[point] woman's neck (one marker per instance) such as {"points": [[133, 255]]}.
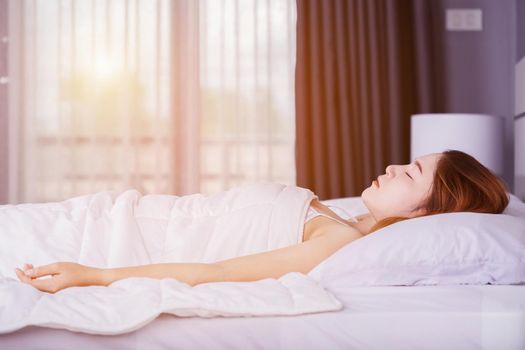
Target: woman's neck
{"points": [[365, 223]]}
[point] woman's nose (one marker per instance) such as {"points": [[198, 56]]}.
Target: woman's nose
{"points": [[391, 170]]}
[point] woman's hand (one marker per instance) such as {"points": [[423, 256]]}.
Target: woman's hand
{"points": [[63, 275]]}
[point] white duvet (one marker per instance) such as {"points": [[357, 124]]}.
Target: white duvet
{"points": [[110, 229]]}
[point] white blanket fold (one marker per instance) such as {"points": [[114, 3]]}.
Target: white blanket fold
{"points": [[109, 229]]}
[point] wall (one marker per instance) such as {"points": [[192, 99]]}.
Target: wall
{"points": [[478, 66], [519, 184], [520, 29]]}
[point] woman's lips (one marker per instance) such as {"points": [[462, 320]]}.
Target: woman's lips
{"points": [[376, 183]]}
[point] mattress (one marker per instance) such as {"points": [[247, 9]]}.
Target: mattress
{"points": [[395, 317]]}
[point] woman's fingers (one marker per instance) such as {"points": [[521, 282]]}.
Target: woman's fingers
{"points": [[21, 276], [43, 270], [46, 285], [61, 275]]}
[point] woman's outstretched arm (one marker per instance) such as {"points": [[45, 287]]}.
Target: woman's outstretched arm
{"points": [[302, 257], [62, 275]]}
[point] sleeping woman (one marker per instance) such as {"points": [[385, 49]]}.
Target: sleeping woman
{"points": [[436, 183]]}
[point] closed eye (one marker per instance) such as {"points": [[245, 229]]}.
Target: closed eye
{"points": [[408, 175]]}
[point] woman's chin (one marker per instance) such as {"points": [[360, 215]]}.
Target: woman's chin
{"points": [[366, 190], [372, 186]]}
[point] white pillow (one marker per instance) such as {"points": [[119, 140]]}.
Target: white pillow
{"points": [[452, 248]]}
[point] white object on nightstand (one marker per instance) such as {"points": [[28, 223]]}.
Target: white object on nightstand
{"points": [[479, 135]]}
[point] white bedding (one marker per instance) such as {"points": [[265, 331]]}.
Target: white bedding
{"points": [[398, 317], [409, 317], [113, 230]]}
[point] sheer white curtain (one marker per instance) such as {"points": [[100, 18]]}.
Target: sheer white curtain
{"points": [[161, 96]]}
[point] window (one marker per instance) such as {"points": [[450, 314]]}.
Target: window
{"points": [[162, 96]]}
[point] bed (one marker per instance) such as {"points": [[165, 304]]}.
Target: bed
{"points": [[373, 317], [415, 317]]}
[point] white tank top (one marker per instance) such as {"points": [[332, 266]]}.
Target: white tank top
{"points": [[312, 213]]}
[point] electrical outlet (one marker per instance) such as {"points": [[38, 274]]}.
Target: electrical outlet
{"points": [[464, 19]]}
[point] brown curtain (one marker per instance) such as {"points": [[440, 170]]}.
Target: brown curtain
{"points": [[357, 84]]}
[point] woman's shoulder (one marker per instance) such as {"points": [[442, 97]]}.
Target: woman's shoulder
{"points": [[322, 226]]}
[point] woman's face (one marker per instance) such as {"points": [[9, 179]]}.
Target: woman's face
{"points": [[402, 189]]}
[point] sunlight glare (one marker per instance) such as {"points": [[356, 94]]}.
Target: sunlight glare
{"points": [[105, 68]]}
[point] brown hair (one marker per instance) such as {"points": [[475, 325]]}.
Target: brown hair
{"points": [[461, 183]]}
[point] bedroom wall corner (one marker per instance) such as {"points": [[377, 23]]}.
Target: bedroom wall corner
{"points": [[519, 111]]}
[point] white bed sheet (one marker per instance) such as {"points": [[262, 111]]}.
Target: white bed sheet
{"points": [[395, 317]]}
